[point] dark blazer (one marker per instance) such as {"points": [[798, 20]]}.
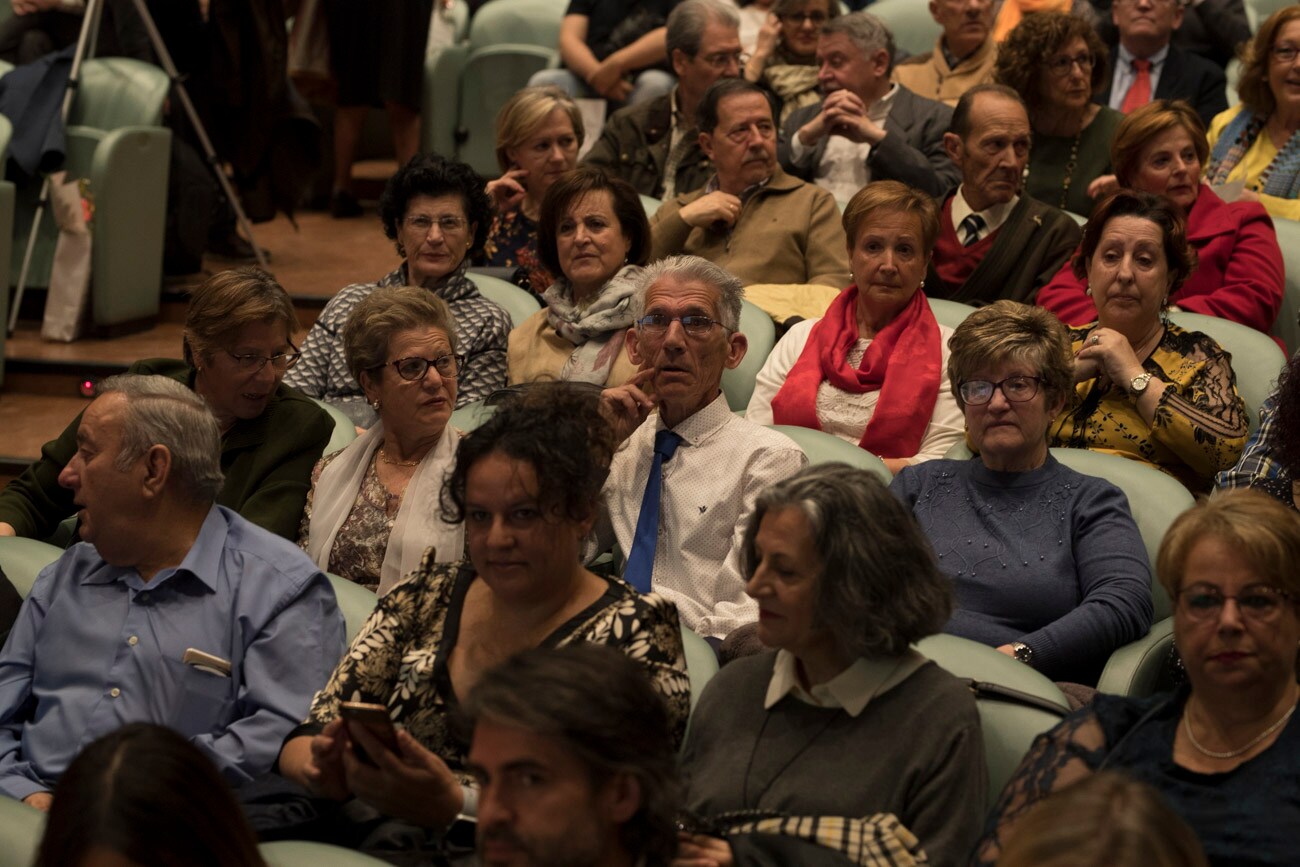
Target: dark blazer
{"points": [[1212, 30], [1190, 77], [912, 152]]}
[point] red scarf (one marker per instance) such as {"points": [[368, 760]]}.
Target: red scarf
{"points": [[909, 345]]}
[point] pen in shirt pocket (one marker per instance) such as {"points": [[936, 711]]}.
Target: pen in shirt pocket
{"points": [[206, 662]]}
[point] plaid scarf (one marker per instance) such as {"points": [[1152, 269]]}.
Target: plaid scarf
{"points": [[878, 840], [1282, 177]]}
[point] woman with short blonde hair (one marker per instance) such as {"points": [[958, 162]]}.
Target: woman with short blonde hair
{"points": [[539, 132]]}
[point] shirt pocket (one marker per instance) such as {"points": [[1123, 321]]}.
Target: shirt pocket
{"points": [[201, 702]]}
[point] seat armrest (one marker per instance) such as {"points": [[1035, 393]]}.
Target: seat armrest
{"points": [[1134, 669]]}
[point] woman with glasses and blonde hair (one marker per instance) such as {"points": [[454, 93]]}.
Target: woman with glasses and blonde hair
{"points": [[237, 345], [1257, 141], [1057, 63], [1046, 563], [539, 132], [784, 59], [1224, 749], [369, 516]]}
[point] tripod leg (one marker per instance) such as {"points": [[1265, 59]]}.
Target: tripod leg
{"points": [[209, 153]]}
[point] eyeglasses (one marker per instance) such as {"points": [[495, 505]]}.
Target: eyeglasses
{"points": [[447, 224], [816, 19], [740, 135], [696, 326], [1061, 66], [1284, 53], [413, 369], [1017, 389], [1258, 602], [253, 362], [724, 58]]}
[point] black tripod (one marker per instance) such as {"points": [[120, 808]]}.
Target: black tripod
{"points": [[89, 26]]}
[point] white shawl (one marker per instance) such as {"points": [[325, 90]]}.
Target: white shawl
{"points": [[418, 526]]}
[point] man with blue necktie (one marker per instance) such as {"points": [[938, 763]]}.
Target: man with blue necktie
{"points": [[683, 483]]}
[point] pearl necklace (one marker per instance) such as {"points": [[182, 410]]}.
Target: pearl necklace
{"points": [[1232, 754]]}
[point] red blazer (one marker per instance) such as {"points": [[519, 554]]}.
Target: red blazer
{"points": [[1238, 275]]}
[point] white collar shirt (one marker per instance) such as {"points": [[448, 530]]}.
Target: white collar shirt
{"points": [[1125, 74], [709, 489], [851, 690], [993, 216]]}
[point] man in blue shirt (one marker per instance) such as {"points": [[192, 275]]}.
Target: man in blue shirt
{"points": [[177, 612]]}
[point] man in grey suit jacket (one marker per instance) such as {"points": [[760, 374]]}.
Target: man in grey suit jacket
{"points": [[867, 128]]}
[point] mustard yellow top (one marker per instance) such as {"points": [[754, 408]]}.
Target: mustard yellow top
{"points": [[1261, 154]]}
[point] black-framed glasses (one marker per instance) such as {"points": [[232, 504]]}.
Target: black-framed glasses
{"points": [[1061, 66], [1258, 602], [414, 368], [816, 19], [447, 224], [693, 324], [1017, 389], [1284, 53], [252, 362]]}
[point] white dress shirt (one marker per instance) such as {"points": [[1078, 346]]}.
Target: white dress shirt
{"points": [[846, 414], [851, 690], [993, 216], [1125, 74], [709, 489], [843, 169]]}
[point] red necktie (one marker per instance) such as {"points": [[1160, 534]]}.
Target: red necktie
{"points": [[1139, 92]]}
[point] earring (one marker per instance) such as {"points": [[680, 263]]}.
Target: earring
{"points": [[375, 404], [922, 286], [1087, 290]]}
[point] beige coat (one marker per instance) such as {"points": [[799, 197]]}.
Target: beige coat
{"points": [[929, 75], [537, 352], [788, 232]]}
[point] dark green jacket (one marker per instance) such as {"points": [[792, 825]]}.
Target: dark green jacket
{"points": [[634, 146], [267, 462]]}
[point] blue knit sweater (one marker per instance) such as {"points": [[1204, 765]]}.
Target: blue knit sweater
{"points": [[1049, 557]]}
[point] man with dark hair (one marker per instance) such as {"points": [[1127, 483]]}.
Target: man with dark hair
{"points": [[994, 241], [177, 612], [751, 218], [573, 754], [654, 145], [867, 128], [1148, 66]]}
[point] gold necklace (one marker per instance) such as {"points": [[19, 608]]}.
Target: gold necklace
{"points": [[383, 456], [1070, 166]]}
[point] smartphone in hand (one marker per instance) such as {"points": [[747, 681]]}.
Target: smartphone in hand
{"points": [[376, 720]]}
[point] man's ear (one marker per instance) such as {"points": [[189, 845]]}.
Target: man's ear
{"points": [[157, 469], [706, 144], [880, 60], [678, 60], [621, 798], [737, 346], [953, 147], [632, 345]]}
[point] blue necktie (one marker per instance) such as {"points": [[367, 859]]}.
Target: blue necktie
{"points": [[641, 561]]}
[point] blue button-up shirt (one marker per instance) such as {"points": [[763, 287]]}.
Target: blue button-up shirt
{"points": [[96, 647]]}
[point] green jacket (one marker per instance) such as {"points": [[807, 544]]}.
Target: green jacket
{"points": [[267, 463], [634, 146]]}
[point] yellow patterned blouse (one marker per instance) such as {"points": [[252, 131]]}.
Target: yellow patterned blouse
{"points": [[1200, 423]]}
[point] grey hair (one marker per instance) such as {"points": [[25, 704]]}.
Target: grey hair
{"points": [[864, 30], [161, 411], [686, 24], [731, 292], [880, 587]]}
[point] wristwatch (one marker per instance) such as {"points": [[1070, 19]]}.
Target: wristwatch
{"points": [[1023, 652], [1138, 384]]}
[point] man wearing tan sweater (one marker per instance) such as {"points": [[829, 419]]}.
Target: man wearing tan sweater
{"points": [[963, 55]]}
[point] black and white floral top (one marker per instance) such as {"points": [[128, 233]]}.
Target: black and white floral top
{"points": [[399, 658]]}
